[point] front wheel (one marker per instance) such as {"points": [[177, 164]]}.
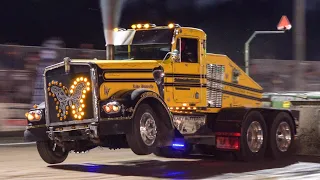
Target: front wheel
{"points": [[144, 134], [51, 153]]}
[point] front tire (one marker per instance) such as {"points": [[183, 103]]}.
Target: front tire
{"points": [[253, 140], [51, 153], [144, 134], [281, 142]]}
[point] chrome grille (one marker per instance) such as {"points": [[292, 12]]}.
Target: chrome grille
{"points": [[215, 75]]}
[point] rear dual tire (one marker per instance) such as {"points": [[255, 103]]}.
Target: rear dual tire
{"points": [[281, 137], [258, 140], [253, 140]]}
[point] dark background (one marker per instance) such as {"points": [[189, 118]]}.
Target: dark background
{"points": [[228, 23]]}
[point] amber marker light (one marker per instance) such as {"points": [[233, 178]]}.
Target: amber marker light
{"points": [[171, 25], [146, 26]]}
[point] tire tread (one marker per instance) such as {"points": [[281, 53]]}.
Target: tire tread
{"points": [[47, 154]]}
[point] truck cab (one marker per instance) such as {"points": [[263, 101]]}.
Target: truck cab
{"points": [[187, 70]]}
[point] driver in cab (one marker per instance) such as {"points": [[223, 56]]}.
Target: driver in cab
{"points": [[187, 52]]}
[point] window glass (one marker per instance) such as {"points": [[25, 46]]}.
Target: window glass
{"points": [[189, 50]]}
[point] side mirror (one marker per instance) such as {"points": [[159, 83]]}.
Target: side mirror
{"points": [[175, 55]]}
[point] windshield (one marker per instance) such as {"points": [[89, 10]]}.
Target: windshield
{"points": [[145, 45], [142, 52]]}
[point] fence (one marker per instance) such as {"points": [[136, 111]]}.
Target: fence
{"points": [[278, 75]]}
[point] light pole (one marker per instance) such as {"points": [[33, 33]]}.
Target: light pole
{"points": [[246, 48], [299, 37]]}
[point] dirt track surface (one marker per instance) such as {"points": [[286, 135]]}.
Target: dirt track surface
{"points": [[25, 163]]}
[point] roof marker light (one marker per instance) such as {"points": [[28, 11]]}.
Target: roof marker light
{"points": [[173, 25], [119, 29]]}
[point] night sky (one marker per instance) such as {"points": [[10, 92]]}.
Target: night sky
{"points": [[228, 23]]}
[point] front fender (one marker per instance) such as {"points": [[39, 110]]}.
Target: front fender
{"points": [[167, 127], [131, 100], [139, 96]]}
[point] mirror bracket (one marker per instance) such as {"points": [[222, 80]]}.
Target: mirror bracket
{"points": [[175, 56]]}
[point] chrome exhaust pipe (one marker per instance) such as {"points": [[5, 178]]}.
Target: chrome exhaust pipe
{"points": [[110, 51], [111, 13]]}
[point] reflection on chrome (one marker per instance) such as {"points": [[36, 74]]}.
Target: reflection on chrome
{"points": [[188, 124]]}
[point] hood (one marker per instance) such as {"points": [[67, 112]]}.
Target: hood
{"points": [[123, 64]]}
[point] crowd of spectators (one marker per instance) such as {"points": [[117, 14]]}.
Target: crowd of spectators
{"points": [[21, 67]]}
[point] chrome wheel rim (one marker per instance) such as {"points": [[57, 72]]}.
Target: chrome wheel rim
{"points": [[148, 129], [283, 136], [255, 136]]}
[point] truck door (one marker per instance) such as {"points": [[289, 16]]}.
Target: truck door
{"points": [[186, 73]]}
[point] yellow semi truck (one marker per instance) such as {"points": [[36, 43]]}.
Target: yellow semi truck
{"points": [[164, 95]]}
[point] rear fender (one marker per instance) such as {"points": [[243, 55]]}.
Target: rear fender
{"points": [[230, 119], [269, 115]]}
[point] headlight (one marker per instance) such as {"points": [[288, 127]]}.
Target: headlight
{"points": [[35, 115], [158, 76], [111, 107]]}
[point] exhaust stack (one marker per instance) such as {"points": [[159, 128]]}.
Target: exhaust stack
{"points": [[111, 13], [110, 51]]}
